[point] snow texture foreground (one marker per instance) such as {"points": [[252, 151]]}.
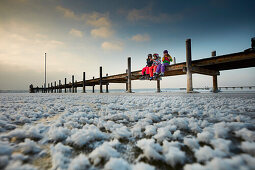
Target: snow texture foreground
{"points": [[127, 131]]}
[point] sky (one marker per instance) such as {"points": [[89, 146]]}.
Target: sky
{"points": [[82, 35]]}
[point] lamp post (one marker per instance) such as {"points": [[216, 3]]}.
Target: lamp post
{"points": [[45, 74]]}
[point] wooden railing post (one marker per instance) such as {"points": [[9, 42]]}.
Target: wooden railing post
{"points": [[72, 83], [83, 83], [101, 79], [93, 87], [215, 80], [51, 87], [107, 84], [174, 60], [188, 65], [48, 87], [129, 75]]}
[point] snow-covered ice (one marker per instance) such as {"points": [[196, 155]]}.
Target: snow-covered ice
{"points": [[127, 131]]}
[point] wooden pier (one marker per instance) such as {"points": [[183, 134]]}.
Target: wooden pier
{"points": [[208, 66]]}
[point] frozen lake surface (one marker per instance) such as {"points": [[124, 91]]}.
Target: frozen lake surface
{"points": [[127, 131]]}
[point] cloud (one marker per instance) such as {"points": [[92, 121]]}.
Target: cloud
{"points": [[100, 21], [97, 19], [67, 12], [76, 33], [141, 37], [147, 14], [118, 46], [102, 32]]}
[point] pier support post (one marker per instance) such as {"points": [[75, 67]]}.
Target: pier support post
{"points": [[76, 86], [70, 88], [59, 88], [174, 60], [101, 79], [158, 86], [55, 84], [42, 89], [37, 89], [31, 89], [129, 76], [107, 84], [51, 87], [72, 83], [93, 87], [83, 83], [65, 85], [48, 87], [215, 79], [127, 81], [188, 65]]}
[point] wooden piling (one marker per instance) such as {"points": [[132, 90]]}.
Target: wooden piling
{"points": [[129, 76], [65, 85], [31, 88], [93, 87], [174, 60], [55, 84], [70, 88], [127, 81], [158, 86], [215, 79], [107, 84], [48, 87], [101, 79], [75, 86], [51, 88], [59, 87], [72, 83], [83, 83], [189, 66]]}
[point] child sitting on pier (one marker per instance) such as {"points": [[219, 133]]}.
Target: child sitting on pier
{"points": [[145, 70], [156, 62], [166, 61]]}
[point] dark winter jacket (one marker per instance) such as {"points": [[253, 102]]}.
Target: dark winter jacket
{"points": [[149, 63]]}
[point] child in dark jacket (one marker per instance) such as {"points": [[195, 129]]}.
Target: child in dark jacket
{"points": [[145, 70]]}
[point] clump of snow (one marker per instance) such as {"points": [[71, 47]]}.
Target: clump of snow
{"points": [[5, 148], [150, 130], [172, 153], [58, 133], [117, 164], [163, 134], [221, 144], [13, 165], [205, 153], [248, 147], [220, 130], [103, 153], [192, 143], [3, 161], [88, 134], [29, 146], [150, 149], [246, 134], [122, 132], [205, 136], [60, 155], [79, 163], [142, 166]]}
